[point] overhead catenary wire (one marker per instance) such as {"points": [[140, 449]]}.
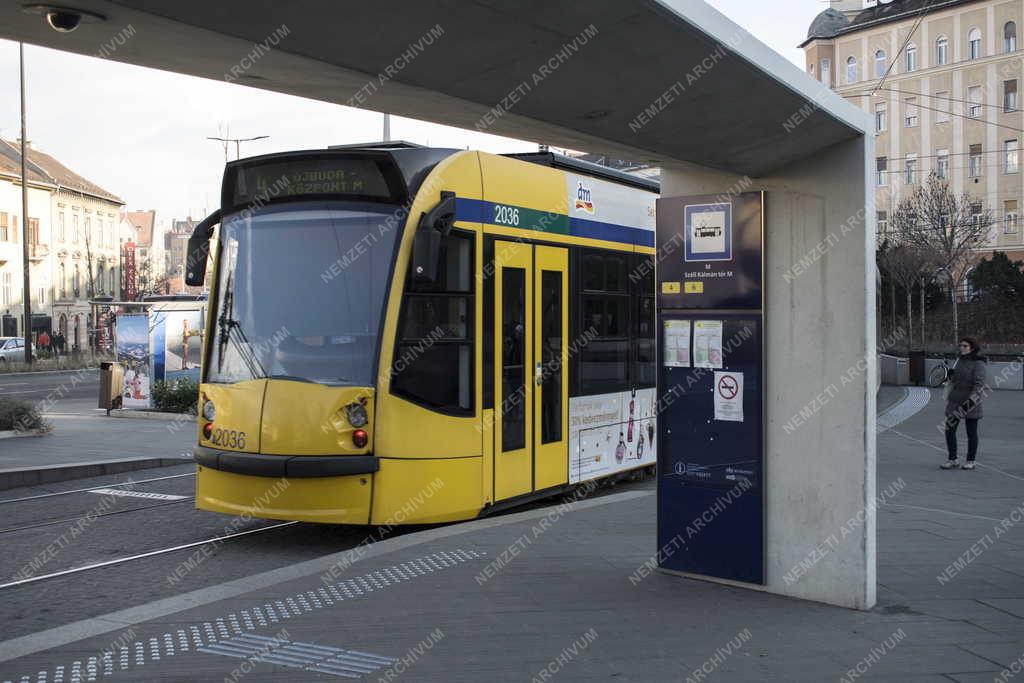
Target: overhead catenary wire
{"points": [[950, 113], [920, 18]]}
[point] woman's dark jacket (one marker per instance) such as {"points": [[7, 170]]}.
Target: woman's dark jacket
{"points": [[968, 388]]}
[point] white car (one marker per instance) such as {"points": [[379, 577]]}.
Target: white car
{"points": [[12, 350]]}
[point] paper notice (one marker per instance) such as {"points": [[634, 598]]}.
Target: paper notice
{"points": [[729, 396], [677, 344], [707, 343]]}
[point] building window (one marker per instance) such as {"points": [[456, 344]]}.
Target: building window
{"points": [[438, 317], [910, 120], [60, 226], [62, 281], [880, 64], [1010, 156], [851, 70], [942, 107], [910, 166], [7, 289], [974, 44], [1010, 217], [911, 58], [1010, 37], [881, 116], [810, 69], [974, 103], [976, 210], [882, 220], [99, 280], [881, 166], [1010, 95], [74, 228], [942, 164], [974, 162], [41, 298], [826, 72], [87, 233], [111, 273], [4, 234], [941, 51], [76, 282]]}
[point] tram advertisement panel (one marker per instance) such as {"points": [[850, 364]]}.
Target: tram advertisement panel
{"points": [[611, 433], [132, 333]]}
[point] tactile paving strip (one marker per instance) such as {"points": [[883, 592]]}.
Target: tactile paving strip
{"points": [[226, 628]]}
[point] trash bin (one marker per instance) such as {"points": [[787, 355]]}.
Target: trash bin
{"points": [[917, 373], [111, 384]]}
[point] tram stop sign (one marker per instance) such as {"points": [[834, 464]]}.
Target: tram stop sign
{"points": [[710, 361]]}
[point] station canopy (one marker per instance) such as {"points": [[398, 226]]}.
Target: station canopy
{"points": [[649, 80]]}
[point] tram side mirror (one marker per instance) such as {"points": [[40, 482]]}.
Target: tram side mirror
{"points": [[199, 250], [433, 227]]}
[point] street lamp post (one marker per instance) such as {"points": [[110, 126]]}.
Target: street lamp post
{"points": [[27, 296], [238, 142]]}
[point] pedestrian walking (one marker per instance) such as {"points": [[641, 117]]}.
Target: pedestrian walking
{"points": [[60, 343], [44, 341], [966, 392]]}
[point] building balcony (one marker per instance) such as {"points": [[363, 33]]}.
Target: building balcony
{"points": [[38, 252]]}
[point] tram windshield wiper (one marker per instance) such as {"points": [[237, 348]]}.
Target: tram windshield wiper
{"points": [[231, 332]]}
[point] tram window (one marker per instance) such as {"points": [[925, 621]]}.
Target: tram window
{"points": [[644, 374], [513, 368], [551, 323], [436, 317], [433, 362], [604, 305]]}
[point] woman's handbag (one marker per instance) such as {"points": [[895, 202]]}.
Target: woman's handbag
{"points": [[947, 386]]}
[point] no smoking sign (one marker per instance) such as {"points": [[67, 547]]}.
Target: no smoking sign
{"points": [[729, 396]]}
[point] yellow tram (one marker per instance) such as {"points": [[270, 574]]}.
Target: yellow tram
{"points": [[400, 334]]}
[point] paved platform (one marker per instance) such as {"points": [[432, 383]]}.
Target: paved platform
{"points": [[554, 594]]}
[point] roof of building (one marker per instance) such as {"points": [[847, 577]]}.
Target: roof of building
{"points": [[832, 23], [12, 165], [47, 169], [827, 24], [898, 9], [143, 221]]}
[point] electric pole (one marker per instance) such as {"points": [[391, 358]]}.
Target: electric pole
{"points": [[238, 142], [27, 296]]}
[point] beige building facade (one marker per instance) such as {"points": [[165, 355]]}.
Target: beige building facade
{"points": [[949, 100], [74, 250]]}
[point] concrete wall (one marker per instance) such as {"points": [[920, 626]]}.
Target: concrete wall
{"points": [[820, 338]]}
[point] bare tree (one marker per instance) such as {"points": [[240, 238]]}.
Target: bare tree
{"points": [[905, 264], [945, 227]]}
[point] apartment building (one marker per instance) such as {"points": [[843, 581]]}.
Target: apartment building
{"points": [[74, 252], [950, 74]]}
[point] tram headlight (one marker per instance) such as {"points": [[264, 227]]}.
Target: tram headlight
{"points": [[209, 411], [356, 413]]}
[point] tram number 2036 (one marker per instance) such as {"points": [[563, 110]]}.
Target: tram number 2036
{"points": [[228, 437], [506, 215]]}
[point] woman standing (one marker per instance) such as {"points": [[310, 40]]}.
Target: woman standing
{"points": [[967, 391]]}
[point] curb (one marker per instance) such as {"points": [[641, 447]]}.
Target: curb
{"points": [[33, 476], [152, 415], [44, 372], [14, 434]]}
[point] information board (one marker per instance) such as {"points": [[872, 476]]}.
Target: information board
{"points": [[711, 387]]}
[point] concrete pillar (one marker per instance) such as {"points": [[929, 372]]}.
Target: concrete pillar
{"points": [[820, 374]]}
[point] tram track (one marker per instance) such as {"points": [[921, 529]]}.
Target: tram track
{"points": [[140, 556], [132, 482], [95, 516]]}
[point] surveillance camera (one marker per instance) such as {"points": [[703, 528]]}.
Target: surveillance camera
{"points": [[63, 21]]}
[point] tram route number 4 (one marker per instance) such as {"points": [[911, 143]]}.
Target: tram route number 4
{"points": [[729, 396]]}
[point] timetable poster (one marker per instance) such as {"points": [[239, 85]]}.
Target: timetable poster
{"points": [[677, 344]]}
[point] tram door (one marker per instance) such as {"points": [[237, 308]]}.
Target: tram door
{"points": [[531, 374]]}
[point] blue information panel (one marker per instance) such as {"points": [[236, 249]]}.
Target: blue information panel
{"points": [[711, 387]]}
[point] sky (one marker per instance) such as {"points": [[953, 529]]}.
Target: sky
{"points": [[141, 133]]}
